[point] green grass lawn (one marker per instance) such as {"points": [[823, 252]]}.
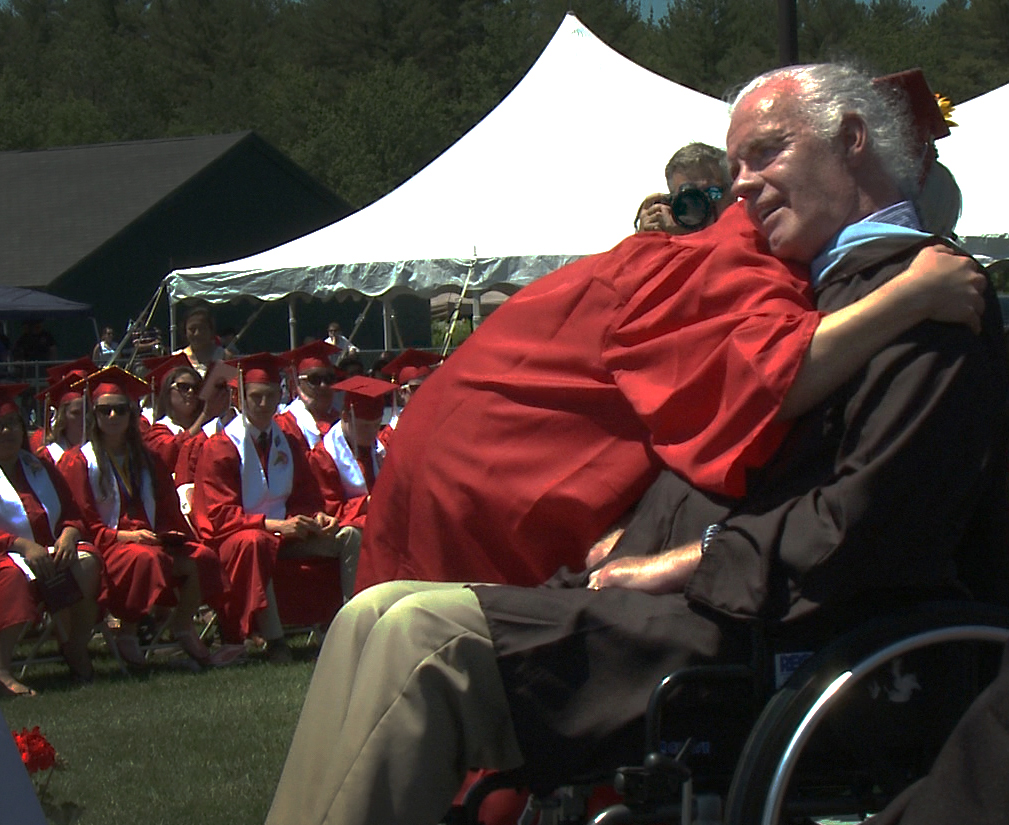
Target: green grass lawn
{"points": [[168, 747]]}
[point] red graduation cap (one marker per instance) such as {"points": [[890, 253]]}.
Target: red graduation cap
{"points": [[159, 368], [82, 367], [115, 381], [927, 118], [261, 368], [314, 356], [364, 396], [64, 390], [9, 394], [410, 364]]}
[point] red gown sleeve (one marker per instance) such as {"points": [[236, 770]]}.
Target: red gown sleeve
{"points": [[165, 444], [349, 512], [217, 495], [706, 353], [167, 511], [305, 498]]}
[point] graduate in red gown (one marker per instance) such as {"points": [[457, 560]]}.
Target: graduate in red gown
{"points": [[255, 501], [314, 410], [40, 541], [62, 410], [180, 413], [408, 371], [348, 459], [128, 500], [551, 420]]}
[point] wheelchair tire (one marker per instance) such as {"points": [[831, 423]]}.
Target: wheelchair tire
{"points": [[761, 781]]}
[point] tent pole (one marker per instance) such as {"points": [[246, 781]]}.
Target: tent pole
{"points": [[173, 333], [147, 315], [458, 307], [292, 321], [137, 324], [250, 321], [360, 319]]}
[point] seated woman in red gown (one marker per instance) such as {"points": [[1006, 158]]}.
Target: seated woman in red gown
{"points": [[128, 500], [179, 411], [40, 540], [63, 410]]}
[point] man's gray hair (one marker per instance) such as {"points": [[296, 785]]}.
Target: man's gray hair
{"points": [[700, 157], [829, 91]]}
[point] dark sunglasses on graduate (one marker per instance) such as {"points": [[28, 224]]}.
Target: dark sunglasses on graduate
{"points": [[185, 388], [317, 379], [107, 409]]}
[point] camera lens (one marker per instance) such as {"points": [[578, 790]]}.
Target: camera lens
{"points": [[691, 207]]}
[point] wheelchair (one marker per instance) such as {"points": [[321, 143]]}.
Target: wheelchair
{"points": [[794, 737]]}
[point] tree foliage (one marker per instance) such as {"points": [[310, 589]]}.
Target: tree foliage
{"points": [[364, 93]]}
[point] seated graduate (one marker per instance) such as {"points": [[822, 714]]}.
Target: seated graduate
{"points": [[314, 409], [248, 507], [408, 371], [128, 501], [179, 411], [62, 410], [418, 681], [41, 544]]}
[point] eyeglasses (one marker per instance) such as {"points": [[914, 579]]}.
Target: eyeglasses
{"points": [[714, 192], [185, 389], [318, 379], [106, 410]]}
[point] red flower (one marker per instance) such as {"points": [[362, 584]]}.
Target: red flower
{"points": [[36, 752]]}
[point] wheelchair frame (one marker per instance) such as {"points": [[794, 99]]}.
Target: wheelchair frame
{"points": [[766, 782]]}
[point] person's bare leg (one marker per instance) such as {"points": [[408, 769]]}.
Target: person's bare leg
{"points": [[8, 641]]}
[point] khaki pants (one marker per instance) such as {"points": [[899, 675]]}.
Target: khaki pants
{"points": [[406, 697]]}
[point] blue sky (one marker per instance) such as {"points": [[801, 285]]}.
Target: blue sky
{"points": [[659, 6]]}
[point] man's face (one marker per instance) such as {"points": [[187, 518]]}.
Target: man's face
{"points": [[333, 330], [198, 332], [261, 402], [798, 188], [315, 387]]}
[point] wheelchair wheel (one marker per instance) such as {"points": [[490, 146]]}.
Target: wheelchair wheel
{"points": [[864, 717]]}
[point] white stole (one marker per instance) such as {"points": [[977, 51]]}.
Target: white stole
{"points": [[174, 428], [13, 518], [262, 495], [335, 443], [55, 451], [306, 422], [110, 507]]}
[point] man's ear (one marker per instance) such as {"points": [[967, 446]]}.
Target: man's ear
{"points": [[854, 136]]}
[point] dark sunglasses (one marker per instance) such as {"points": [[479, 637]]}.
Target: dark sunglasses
{"points": [[107, 409], [318, 379], [185, 389]]}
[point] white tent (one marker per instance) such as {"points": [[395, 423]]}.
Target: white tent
{"points": [[553, 173], [973, 152]]}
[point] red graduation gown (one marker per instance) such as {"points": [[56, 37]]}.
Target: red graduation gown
{"points": [[247, 550], [553, 418], [18, 603], [139, 576]]}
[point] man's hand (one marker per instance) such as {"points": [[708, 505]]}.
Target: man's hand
{"points": [[37, 558], [944, 285], [654, 215], [667, 572], [295, 527], [328, 525]]}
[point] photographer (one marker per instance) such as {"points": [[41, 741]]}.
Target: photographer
{"points": [[698, 180]]}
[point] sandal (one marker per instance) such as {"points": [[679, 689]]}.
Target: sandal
{"points": [[192, 645], [128, 648]]}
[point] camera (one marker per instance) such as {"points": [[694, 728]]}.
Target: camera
{"points": [[692, 207]]}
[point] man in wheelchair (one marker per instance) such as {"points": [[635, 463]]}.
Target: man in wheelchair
{"points": [[890, 492]]}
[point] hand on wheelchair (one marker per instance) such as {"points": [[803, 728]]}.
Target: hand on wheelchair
{"points": [[668, 572]]}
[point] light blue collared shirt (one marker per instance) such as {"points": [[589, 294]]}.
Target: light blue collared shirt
{"points": [[897, 220]]}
